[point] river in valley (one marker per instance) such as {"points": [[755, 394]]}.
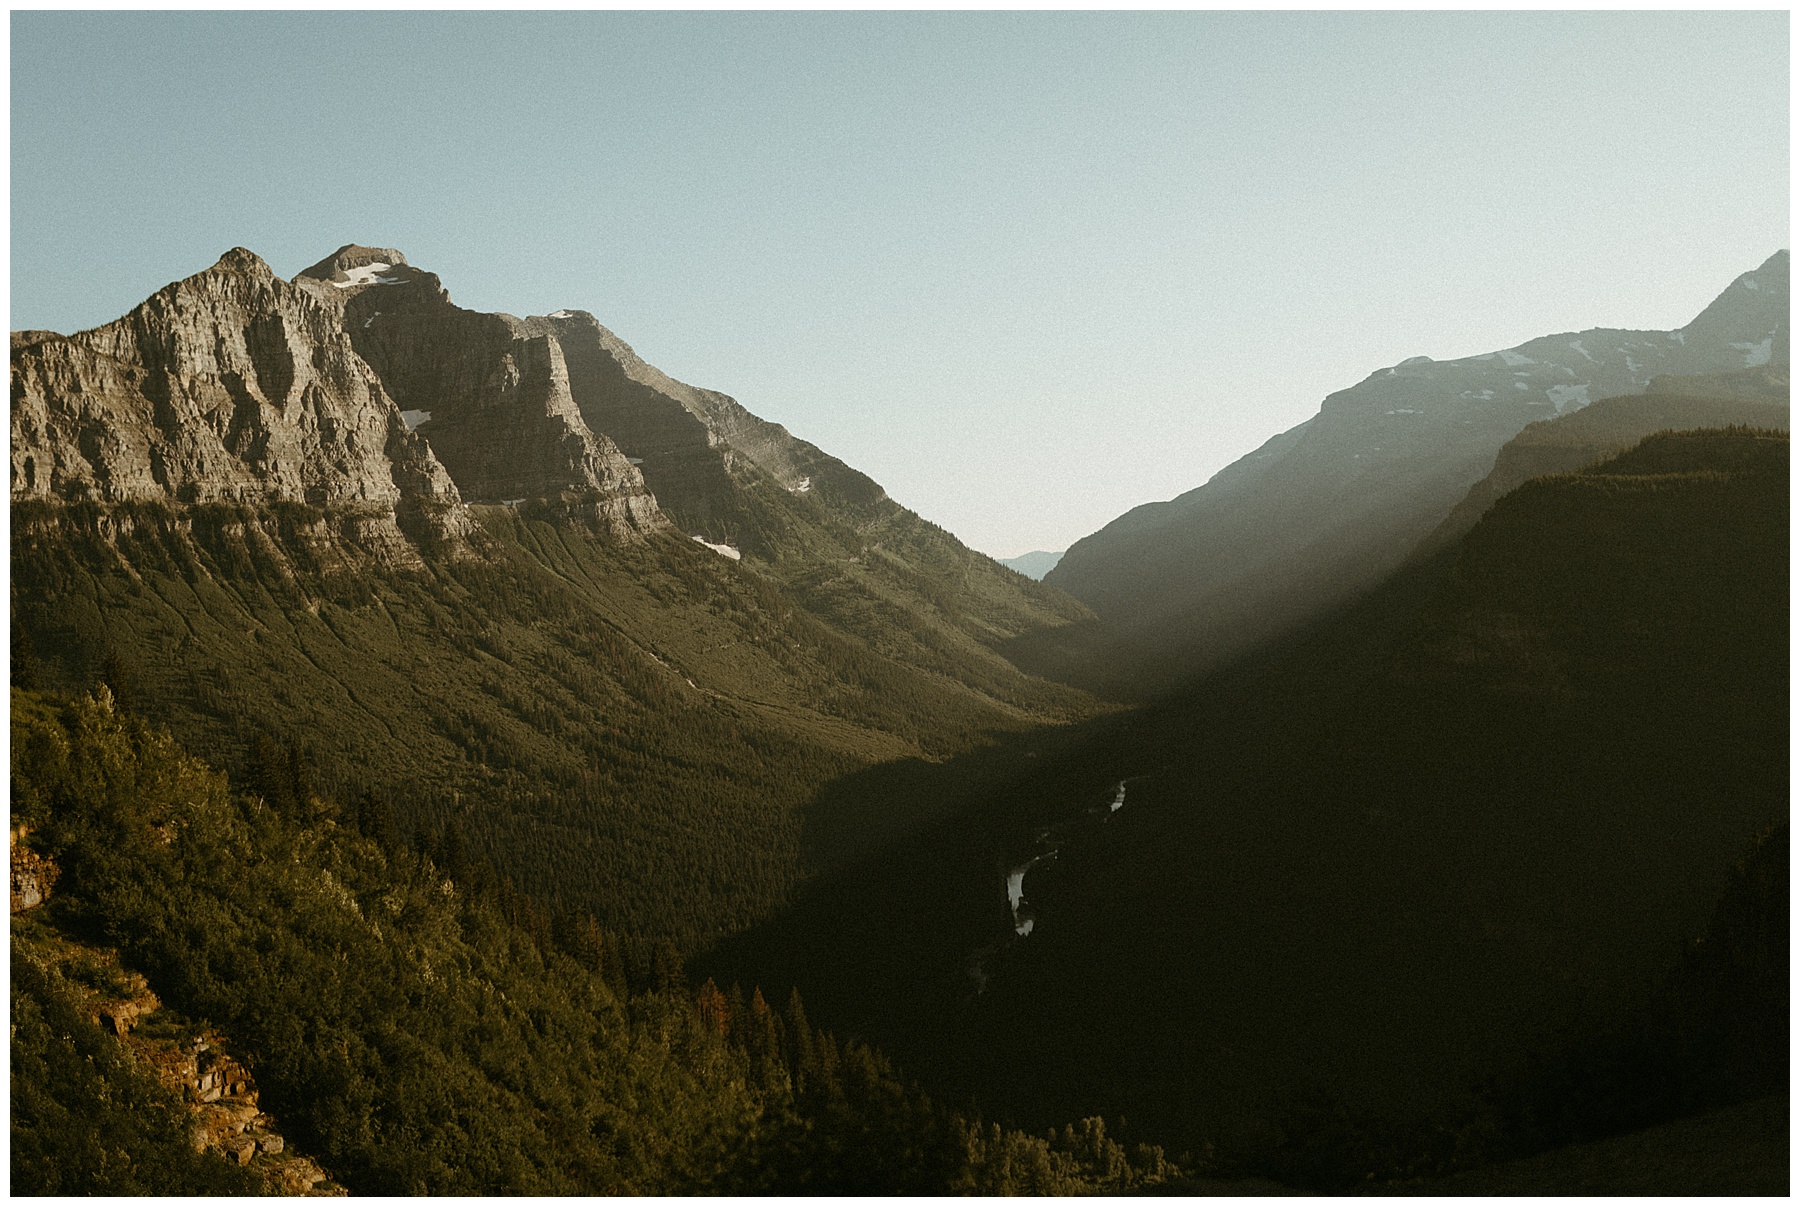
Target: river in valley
{"points": [[1048, 841]]}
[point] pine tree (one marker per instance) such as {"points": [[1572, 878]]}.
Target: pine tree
{"points": [[710, 1006], [803, 1064]]}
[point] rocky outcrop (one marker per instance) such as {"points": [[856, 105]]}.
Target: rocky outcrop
{"points": [[230, 386], [32, 874], [218, 1088], [490, 392], [222, 1094]]}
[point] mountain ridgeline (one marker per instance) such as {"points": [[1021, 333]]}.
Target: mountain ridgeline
{"points": [[614, 630], [1330, 508]]}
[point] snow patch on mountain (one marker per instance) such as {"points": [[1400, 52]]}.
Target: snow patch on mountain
{"points": [[722, 550], [1756, 354], [367, 274], [1568, 398]]}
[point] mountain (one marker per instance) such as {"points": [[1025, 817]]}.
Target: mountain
{"points": [[1329, 508], [1299, 910], [1747, 398], [231, 385], [613, 631], [1033, 565], [527, 678]]}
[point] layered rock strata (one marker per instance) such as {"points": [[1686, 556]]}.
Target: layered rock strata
{"points": [[360, 389], [230, 386], [490, 392]]}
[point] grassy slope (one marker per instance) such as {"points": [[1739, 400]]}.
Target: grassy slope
{"points": [[633, 730]]}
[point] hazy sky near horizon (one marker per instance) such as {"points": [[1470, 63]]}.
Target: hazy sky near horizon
{"points": [[1027, 270]]}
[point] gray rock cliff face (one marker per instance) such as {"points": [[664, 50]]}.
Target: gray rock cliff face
{"points": [[231, 385], [699, 449], [490, 392], [361, 385], [1335, 504]]}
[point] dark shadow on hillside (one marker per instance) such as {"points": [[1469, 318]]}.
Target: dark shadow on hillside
{"points": [[909, 907], [1396, 848]]}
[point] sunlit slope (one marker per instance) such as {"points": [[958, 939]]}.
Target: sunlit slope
{"points": [[628, 728], [1503, 788], [413, 1022]]}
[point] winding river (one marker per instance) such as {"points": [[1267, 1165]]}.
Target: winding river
{"points": [[1022, 919]]}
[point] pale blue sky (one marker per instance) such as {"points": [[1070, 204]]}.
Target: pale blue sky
{"points": [[1026, 270]]}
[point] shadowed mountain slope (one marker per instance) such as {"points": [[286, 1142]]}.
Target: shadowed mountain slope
{"points": [[1492, 795], [1748, 398], [1329, 508]]}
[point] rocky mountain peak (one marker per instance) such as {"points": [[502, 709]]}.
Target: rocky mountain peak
{"points": [[341, 266], [231, 385], [243, 260], [1750, 318]]}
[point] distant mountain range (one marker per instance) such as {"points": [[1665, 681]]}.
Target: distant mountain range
{"points": [[1033, 565], [1329, 508]]}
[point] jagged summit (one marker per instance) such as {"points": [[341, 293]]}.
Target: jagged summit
{"points": [[242, 259], [354, 264], [230, 385], [360, 384]]}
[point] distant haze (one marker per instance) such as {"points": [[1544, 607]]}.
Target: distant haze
{"points": [[1027, 270], [1035, 564]]}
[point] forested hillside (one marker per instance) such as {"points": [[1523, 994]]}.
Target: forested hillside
{"points": [[417, 1025], [1746, 398], [1353, 876], [630, 729]]}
